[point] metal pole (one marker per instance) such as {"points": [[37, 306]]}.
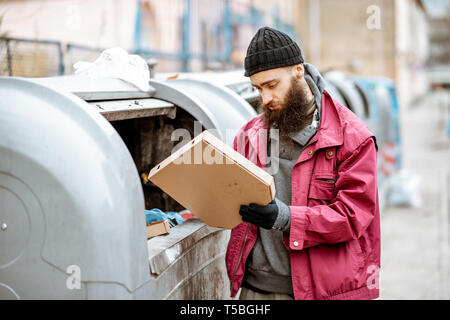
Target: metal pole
{"points": [[314, 31], [8, 57], [228, 32], [186, 54], [137, 28], [276, 17], [61, 59]]}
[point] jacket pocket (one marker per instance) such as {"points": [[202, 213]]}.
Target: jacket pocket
{"points": [[336, 268], [321, 190]]}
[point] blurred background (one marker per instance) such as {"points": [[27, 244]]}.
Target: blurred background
{"points": [[403, 42]]}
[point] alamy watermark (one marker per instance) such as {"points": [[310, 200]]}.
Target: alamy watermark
{"points": [[373, 281], [373, 22], [73, 281]]}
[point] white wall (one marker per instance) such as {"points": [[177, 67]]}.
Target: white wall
{"points": [[411, 51], [96, 23]]}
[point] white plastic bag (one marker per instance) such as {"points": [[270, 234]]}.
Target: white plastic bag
{"points": [[117, 63], [404, 190]]}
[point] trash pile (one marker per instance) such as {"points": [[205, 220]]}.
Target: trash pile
{"points": [[117, 63], [159, 222], [174, 218]]}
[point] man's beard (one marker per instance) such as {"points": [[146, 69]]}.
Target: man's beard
{"points": [[295, 113]]}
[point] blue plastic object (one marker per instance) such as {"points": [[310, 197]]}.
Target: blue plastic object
{"points": [[154, 215], [448, 126], [390, 86]]}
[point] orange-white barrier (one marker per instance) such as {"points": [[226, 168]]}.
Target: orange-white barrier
{"points": [[388, 158]]}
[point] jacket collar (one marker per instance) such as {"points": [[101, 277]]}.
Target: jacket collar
{"points": [[330, 131]]}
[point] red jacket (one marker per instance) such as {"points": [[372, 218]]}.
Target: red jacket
{"points": [[334, 239]]}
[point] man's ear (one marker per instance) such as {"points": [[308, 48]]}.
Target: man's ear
{"points": [[299, 70]]}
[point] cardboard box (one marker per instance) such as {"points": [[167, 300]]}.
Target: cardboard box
{"points": [[212, 180], [157, 228]]}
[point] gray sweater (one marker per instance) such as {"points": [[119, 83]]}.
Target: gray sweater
{"points": [[268, 265]]}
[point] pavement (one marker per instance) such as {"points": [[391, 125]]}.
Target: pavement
{"points": [[415, 242]]}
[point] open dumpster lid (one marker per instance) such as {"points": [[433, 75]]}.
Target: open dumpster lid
{"points": [[90, 89]]}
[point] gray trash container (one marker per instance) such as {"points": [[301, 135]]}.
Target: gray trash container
{"points": [[72, 201]]}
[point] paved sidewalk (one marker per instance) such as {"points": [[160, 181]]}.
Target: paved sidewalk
{"points": [[415, 252]]}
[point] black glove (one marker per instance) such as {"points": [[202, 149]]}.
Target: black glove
{"points": [[261, 216]]}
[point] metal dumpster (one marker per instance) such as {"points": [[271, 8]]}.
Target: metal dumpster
{"points": [[374, 101], [233, 80], [348, 91], [386, 92], [72, 200]]}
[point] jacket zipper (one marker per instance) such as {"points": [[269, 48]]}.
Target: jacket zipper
{"points": [[240, 257]]}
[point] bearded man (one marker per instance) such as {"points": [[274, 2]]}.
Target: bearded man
{"points": [[320, 237]]}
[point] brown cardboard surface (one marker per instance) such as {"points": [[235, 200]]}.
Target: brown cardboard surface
{"points": [[212, 180], [157, 228]]}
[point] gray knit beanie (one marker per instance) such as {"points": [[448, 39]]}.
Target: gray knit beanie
{"points": [[270, 49]]}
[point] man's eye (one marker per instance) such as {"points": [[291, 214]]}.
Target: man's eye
{"points": [[272, 86]]}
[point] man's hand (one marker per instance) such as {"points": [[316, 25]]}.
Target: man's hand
{"points": [[261, 216]]}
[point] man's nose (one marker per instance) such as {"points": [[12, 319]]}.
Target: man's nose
{"points": [[266, 98]]}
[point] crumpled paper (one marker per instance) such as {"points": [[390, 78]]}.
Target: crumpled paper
{"points": [[117, 63]]}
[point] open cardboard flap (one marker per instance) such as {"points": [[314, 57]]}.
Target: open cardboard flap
{"points": [[212, 180], [157, 228]]}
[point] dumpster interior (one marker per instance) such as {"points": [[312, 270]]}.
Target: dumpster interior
{"points": [[149, 142]]}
